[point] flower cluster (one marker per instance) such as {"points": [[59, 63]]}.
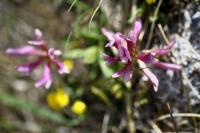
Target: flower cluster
{"points": [[44, 55], [128, 54], [59, 99]]}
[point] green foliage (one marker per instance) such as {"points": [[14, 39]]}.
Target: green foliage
{"points": [[93, 78], [117, 91], [100, 93], [135, 13], [93, 33], [89, 55], [6, 124], [74, 54], [21, 103]]}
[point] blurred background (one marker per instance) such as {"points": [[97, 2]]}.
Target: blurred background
{"points": [[90, 101]]}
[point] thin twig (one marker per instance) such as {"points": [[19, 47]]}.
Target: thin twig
{"points": [[172, 117], [95, 11], [153, 23], [67, 41], [163, 34], [73, 3], [76, 22], [105, 123], [188, 99], [178, 115], [188, 83], [179, 132], [155, 127]]}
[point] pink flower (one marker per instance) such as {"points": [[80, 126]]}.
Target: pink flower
{"points": [[128, 54], [149, 57], [125, 72], [44, 55]]}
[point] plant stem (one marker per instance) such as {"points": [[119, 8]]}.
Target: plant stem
{"points": [[153, 23], [129, 112]]}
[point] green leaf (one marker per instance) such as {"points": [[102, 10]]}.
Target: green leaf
{"points": [[93, 33], [20, 103], [117, 91], [90, 55], [98, 92], [75, 53]]}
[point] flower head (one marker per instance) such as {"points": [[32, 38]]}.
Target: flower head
{"points": [[44, 55], [58, 99], [79, 107], [128, 54]]}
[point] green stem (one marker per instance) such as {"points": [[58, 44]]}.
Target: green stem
{"points": [[129, 112]]}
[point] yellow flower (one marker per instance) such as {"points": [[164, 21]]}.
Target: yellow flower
{"points": [[79, 107], [62, 98], [51, 100], [150, 1], [58, 99], [69, 64]]}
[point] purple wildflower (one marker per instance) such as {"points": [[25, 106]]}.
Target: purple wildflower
{"points": [[48, 56], [127, 54]]}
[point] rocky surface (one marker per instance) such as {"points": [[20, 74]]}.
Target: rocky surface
{"points": [[187, 51]]}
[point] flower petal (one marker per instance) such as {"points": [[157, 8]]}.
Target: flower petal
{"points": [[124, 54], [29, 67], [45, 78], [147, 58], [135, 32], [149, 74], [110, 60], [38, 34], [36, 42], [107, 33], [52, 53], [110, 36], [125, 37], [119, 41], [152, 78], [126, 73], [57, 52], [27, 50], [170, 66], [163, 51], [62, 69]]}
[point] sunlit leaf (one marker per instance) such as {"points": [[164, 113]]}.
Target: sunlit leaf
{"points": [[75, 53], [99, 92], [90, 55]]}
